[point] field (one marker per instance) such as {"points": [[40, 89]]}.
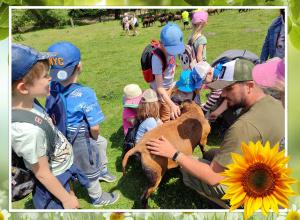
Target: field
{"points": [[112, 61]]}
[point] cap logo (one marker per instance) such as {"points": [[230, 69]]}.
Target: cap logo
{"points": [[62, 75], [181, 38], [56, 61], [222, 72]]}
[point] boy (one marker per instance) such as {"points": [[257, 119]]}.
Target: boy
{"points": [[185, 19], [82, 104], [52, 167], [171, 42]]}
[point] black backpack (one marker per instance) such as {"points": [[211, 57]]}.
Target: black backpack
{"points": [[23, 181], [129, 141], [146, 60]]}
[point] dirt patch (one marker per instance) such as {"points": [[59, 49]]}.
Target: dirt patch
{"points": [[209, 33], [254, 30]]}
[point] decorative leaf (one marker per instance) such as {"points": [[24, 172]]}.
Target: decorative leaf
{"points": [[4, 18], [198, 2], [294, 37], [289, 25], [295, 10], [220, 3], [3, 33], [249, 2], [179, 3]]}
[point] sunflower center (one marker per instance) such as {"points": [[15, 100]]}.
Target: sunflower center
{"points": [[1, 216], [293, 215], [259, 180]]}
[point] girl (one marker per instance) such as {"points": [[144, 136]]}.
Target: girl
{"points": [[184, 88], [126, 23], [148, 113], [198, 40], [133, 22], [131, 100]]}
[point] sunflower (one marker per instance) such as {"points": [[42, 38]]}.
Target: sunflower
{"points": [[259, 179]]}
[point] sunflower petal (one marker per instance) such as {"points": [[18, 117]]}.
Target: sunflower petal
{"points": [[239, 160], [236, 205], [248, 153], [264, 211], [238, 197], [266, 203], [257, 203], [250, 209], [273, 203]]}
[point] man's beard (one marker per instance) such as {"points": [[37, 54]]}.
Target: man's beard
{"points": [[235, 107]]}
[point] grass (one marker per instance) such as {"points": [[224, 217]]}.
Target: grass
{"points": [[111, 61]]}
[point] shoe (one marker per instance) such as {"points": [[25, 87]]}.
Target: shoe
{"points": [[107, 176], [106, 199]]}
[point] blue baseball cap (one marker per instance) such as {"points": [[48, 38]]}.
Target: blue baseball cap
{"points": [[63, 65], [186, 82], [23, 58], [172, 38]]}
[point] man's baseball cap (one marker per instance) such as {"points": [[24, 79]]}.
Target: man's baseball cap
{"points": [[172, 38], [63, 65], [267, 74], [23, 58], [235, 71]]}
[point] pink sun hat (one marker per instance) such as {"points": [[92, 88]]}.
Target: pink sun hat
{"points": [[267, 74], [200, 17], [132, 96]]}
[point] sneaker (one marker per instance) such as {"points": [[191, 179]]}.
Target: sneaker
{"points": [[106, 199], [107, 176]]}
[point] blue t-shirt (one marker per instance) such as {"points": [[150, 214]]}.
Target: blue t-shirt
{"points": [[83, 101], [145, 126]]}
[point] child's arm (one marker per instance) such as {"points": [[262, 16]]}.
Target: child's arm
{"points": [[174, 110], [95, 130], [215, 94], [44, 175], [199, 53], [219, 110]]}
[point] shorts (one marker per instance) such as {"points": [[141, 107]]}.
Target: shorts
{"points": [[186, 23]]}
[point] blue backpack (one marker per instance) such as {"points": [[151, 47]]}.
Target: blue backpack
{"points": [[56, 107]]}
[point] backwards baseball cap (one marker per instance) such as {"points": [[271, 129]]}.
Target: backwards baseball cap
{"points": [[23, 58], [267, 74], [149, 96], [186, 82], [63, 65], [235, 71], [199, 72], [172, 38], [200, 17], [132, 96]]}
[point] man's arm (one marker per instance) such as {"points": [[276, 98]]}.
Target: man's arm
{"points": [[43, 174], [207, 173]]}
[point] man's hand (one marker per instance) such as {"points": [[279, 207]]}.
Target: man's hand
{"points": [[161, 147]]}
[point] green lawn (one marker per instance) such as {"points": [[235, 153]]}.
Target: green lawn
{"points": [[111, 61]]}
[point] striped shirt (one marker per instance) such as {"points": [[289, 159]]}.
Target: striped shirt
{"points": [[214, 96]]}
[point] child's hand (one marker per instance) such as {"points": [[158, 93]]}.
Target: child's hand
{"points": [[71, 203], [202, 104], [175, 111], [213, 115]]}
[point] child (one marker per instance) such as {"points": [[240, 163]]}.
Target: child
{"points": [[131, 100], [198, 40], [148, 113], [171, 42], [185, 18], [133, 22], [52, 167], [126, 24], [184, 88], [82, 104]]}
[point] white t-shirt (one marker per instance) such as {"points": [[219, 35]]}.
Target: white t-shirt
{"points": [[168, 74], [30, 142], [133, 21]]}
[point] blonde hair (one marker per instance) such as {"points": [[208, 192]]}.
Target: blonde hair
{"points": [[33, 74], [147, 110], [197, 30]]}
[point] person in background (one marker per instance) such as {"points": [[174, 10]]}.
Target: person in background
{"points": [[274, 45], [133, 23]]}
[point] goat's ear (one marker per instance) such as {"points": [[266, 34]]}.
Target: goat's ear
{"points": [[186, 106]]}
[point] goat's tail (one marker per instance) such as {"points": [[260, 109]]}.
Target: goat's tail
{"points": [[127, 155]]}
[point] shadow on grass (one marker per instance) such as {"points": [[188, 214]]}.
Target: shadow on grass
{"points": [[171, 193], [117, 139]]}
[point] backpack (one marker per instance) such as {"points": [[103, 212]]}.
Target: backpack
{"points": [[129, 141], [146, 60], [235, 54], [188, 57], [56, 107], [23, 181]]}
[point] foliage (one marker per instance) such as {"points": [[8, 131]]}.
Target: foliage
{"points": [[21, 18], [77, 13]]}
